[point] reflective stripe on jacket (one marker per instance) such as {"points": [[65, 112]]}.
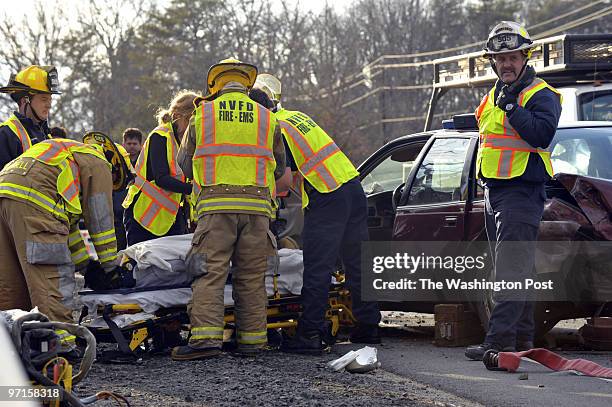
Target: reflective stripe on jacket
{"points": [[318, 158], [155, 208], [502, 153], [15, 125], [234, 147]]}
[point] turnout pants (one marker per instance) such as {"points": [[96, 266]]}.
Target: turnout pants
{"points": [[36, 269], [512, 218], [247, 241], [335, 224]]}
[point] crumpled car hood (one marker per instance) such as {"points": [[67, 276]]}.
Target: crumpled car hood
{"points": [[593, 196]]}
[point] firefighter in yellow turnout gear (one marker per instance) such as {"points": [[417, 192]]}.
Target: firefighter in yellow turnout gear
{"points": [[43, 194], [32, 89], [234, 152]]}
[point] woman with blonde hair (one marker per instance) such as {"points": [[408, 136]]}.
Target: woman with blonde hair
{"points": [[154, 206]]}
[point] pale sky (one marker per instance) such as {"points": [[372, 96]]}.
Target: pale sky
{"points": [[16, 8]]}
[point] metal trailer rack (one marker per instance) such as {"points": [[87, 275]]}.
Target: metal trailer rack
{"points": [[568, 59]]}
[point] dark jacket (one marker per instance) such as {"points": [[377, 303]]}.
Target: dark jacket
{"points": [[536, 123], [10, 145], [158, 169]]}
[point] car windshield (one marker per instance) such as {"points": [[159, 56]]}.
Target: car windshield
{"points": [[583, 151]]}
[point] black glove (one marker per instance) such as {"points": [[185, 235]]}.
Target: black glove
{"points": [[507, 98], [98, 279]]}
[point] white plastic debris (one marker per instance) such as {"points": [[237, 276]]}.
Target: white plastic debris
{"points": [[359, 361], [340, 363]]}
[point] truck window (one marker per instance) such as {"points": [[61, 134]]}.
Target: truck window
{"points": [[596, 106], [438, 179]]}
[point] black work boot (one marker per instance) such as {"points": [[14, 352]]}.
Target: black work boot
{"points": [[365, 333], [188, 353], [305, 343], [476, 352]]}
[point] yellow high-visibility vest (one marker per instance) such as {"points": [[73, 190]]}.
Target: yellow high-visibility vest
{"points": [[234, 146], [502, 153], [15, 125], [317, 157], [58, 153], [156, 208]]}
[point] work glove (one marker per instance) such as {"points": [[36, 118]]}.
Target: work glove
{"points": [[507, 98], [97, 278]]}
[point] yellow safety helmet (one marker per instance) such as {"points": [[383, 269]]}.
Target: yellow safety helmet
{"points": [[508, 36], [122, 174], [34, 79], [230, 70], [270, 85]]}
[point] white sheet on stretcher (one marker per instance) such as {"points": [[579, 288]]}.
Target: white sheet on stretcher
{"points": [[161, 262]]}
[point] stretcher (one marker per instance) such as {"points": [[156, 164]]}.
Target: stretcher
{"points": [[149, 318]]}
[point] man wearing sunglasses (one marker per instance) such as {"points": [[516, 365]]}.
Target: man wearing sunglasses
{"points": [[32, 89], [517, 120]]}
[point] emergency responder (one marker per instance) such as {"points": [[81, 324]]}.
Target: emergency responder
{"points": [[118, 198], [132, 141], [32, 89], [517, 121], [234, 152], [154, 206], [335, 225], [43, 194]]}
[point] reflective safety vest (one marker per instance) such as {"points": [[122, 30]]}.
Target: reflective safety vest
{"points": [[317, 157], [156, 208], [502, 153], [57, 153], [15, 125], [234, 146]]}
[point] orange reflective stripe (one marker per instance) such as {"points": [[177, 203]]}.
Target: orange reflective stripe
{"points": [[313, 161], [156, 194], [208, 136], [297, 138], [26, 143], [509, 143], [538, 84], [51, 152], [237, 150], [481, 107], [323, 154], [150, 213]]}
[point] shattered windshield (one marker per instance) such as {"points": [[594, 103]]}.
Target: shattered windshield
{"points": [[583, 151]]}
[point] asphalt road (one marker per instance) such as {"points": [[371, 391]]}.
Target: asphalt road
{"points": [[414, 373], [448, 369]]}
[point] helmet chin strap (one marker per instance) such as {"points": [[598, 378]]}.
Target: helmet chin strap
{"points": [[36, 116]]}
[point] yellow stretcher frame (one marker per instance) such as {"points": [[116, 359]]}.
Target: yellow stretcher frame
{"points": [[283, 312]]}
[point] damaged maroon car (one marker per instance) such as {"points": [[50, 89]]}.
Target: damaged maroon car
{"points": [[422, 188]]}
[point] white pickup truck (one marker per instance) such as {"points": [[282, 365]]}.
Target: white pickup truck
{"points": [[578, 65], [586, 103]]}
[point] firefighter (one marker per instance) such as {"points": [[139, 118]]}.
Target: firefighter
{"points": [[32, 89], [517, 121], [234, 152], [335, 225], [43, 194], [154, 206]]}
